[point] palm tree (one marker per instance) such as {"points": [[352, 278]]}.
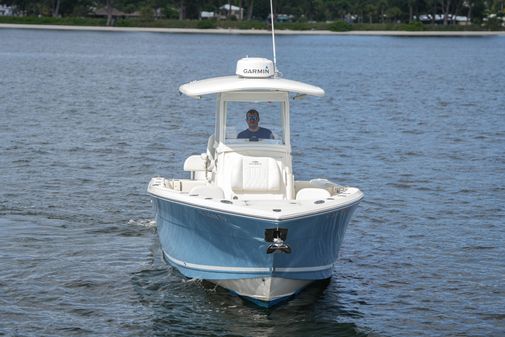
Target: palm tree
{"points": [[381, 8], [250, 7], [55, 8], [108, 7], [370, 10]]}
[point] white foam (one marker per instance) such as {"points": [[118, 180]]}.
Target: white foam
{"points": [[148, 223]]}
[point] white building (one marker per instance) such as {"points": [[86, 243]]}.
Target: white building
{"points": [[6, 10], [228, 10], [208, 15]]}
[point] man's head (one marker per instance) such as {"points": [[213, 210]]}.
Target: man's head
{"points": [[252, 118]]}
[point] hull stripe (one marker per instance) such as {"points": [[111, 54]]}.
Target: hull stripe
{"points": [[244, 269]]}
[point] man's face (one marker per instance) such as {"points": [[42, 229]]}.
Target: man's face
{"points": [[252, 120]]}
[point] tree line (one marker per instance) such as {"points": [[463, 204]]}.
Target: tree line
{"points": [[361, 11]]}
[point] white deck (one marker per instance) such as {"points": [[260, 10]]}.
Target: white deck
{"points": [[265, 209]]}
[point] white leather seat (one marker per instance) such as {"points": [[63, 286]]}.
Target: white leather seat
{"points": [[310, 193], [256, 175]]}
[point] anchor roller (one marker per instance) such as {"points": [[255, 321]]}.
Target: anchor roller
{"points": [[277, 237]]}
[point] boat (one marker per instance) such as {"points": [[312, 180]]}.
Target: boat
{"points": [[241, 220]]}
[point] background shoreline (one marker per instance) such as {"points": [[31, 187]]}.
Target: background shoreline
{"points": [[253, 31]]}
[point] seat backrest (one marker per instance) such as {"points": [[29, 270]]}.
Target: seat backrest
{"points": [[256, 175], [312, 194]]}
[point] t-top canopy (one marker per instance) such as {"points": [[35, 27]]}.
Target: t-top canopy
{"points": [[234, 83], [253, 74]]}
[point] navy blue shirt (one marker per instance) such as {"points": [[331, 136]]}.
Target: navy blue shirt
{"points": [[262, 133]]}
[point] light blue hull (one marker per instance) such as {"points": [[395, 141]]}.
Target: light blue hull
{"points": [[213, 245]]}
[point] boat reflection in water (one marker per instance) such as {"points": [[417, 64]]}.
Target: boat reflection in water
{"points": [[242, 221]]}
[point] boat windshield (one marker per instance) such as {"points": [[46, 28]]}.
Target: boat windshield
{"points": [[241, 124]]}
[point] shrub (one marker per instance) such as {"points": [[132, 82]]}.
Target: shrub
{"points": [[207, 24], [414, 26], [340, 26], [170, 12]]}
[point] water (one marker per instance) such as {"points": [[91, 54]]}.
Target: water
{"points": [[87, 118]]}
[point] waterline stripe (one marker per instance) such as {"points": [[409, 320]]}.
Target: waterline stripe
{"points": [[244, 269], [216, 268], [304, 269]]}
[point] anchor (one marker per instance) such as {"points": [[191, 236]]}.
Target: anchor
{"points": [[277, 237]]}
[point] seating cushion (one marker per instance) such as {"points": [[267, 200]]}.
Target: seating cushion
{"points": [[195, 163], [255, 175], [312, 194]]}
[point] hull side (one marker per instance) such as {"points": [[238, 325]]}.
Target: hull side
{"points": [[213, 245]]}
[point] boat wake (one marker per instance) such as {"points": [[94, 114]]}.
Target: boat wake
{"points": [[146, 223]]}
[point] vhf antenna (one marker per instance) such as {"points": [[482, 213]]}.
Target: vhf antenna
{"points": [[273, 36]]}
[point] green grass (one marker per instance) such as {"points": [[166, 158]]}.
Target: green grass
{"points": [[416, 26], [46, 20]]}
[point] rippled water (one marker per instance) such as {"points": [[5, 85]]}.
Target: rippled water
{"points": [[86, 118]]}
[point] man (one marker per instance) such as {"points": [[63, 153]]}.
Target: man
{"points": [[254, 131]]}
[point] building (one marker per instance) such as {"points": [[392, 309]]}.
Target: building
{"points": [[228, 10], [102, 12], [7, 10]]}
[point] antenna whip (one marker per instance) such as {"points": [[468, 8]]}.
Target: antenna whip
{"points": [[273, 35]]}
